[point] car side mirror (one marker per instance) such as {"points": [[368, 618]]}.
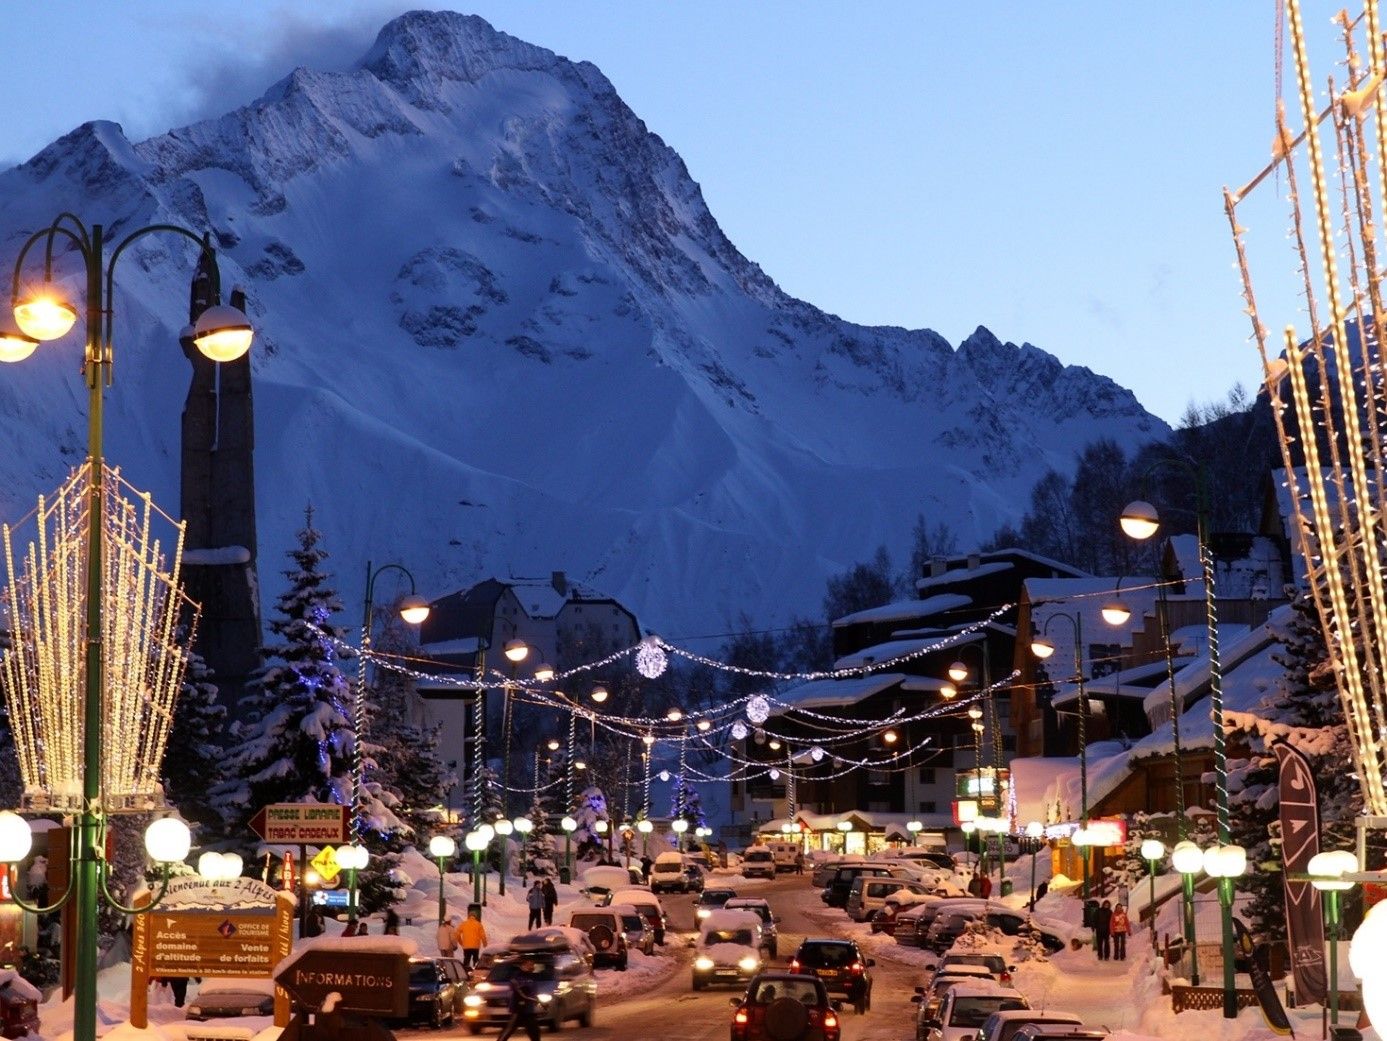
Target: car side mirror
{"points": [[1011, 968], [915, 999], [734, 1002], [919, 990], [871, 962]]}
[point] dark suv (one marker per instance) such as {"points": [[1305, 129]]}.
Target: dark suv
{"points": [[840, 884], [841, 967]]}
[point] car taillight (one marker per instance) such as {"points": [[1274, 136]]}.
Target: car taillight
{"points": [[1006, 977], [830, 1021], [857, 968], [794, 965], [740, 1017]]}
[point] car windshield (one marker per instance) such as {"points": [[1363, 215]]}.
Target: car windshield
{"points": [[505, 971], [991, 962], [632, 922], [716, 897], [739, 936], [973, 1012], [667, 869], [424, 972], [798, 990], [764, 913], [827, 955]]}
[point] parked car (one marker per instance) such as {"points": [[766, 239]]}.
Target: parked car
{"points": [[835, 894], [437, 990], [606, 932], [995, 964], [224, 998], [947, 928], [667, 874], [1002, 1026], [563, 982], [964, 1009], [780, 1006], [933, 993], [728, 949], [710, 900], [841, 967], [694, 876], [648, 904], [758, 862], [600, 882], [937, 857], [867, 895], [770, 937], [824, 869], [553, 939], [639, 935]]}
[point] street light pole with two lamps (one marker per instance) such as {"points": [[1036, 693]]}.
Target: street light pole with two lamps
{"points": [[223, 334]]}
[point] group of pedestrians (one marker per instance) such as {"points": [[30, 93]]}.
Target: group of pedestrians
{"points": [[541, 900], [469, 936], [1110, 928]]}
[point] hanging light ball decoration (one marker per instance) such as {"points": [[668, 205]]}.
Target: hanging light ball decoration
{"points": [[889, 737], [651, 660], [758, 709], [775, 774], [817, 754], [739, 731], [674, 715], [774, 744], [664, 775], [704, 725], [599, 694]]}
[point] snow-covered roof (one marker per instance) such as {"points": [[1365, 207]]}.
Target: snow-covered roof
{"points": [[882, 652], [1136, 682], [829, 692], [905, 610], [872, 820], [539, 599], [992, 564]]}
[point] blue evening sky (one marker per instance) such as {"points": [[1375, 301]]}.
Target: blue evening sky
{"points": [[1051, 171]]}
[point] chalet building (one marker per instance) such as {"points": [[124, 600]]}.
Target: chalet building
{"points": [[957, 598]]}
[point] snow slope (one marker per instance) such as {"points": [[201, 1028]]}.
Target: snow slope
{"points": [[501, 333]]}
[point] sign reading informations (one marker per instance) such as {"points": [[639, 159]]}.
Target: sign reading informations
{"points": [[240, 929], [368, 982], [301, 823]]}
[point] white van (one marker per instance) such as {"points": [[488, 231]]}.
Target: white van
{"points": [[758, 862], [786, 854]]}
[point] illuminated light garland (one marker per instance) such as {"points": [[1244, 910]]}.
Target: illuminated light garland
{"points": [[43, 673], [651, 660]]}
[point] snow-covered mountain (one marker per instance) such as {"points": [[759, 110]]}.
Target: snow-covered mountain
{"points": [[501, 333]]}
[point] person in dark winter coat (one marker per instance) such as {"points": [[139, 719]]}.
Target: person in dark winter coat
{"points": [[392, 922], [534, 900], [1102, 930], [551, 901], [524, 1003], [646, 864]]}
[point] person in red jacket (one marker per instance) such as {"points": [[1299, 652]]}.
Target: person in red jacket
{"points": [[1119, 926]]}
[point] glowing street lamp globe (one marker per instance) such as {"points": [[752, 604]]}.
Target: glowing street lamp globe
{"points": [[958, 672], [845, 826], [948, 691], [914, 826], [1042, 648], [600, 827], [16, 838], [414, 609], [679, 826], [516, 650], [223, 333], [1187, 858], [504, 827], [1139, 519], [475, 841], [1115, 612], [1333, 864], [568, 824], [441, 847], [167, 840], [15, 343], [44, 316], [352, 858], [524, 825], [544, 672], [1152, 849], [1035, 830], [644, 827]]}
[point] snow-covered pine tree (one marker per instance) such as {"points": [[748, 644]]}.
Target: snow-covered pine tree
{"points": [[1302, 707], [687, 804], [196, 754], [297, 744], [488, 783], [537, 845]]}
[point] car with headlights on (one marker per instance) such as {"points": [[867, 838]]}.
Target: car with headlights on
{"points": [[728, 949], [563, 983], [710, 900], [639, 935], [781, 1006], [770, 936]]}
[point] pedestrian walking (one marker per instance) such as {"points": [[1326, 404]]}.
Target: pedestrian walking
{"points": [[1102, 930], [646, 863], [975, 884], [471, 937], [351, 930], [1119, 927], [985, 887], [534, 900], [799, 863], [551, 901], [524, 1002], [392, 922], [447, 936]]}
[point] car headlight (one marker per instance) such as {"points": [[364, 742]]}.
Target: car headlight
{"points": [[544, 999], [703, 964], [195, 1010], [749, 963], [473, 1000], [703, 912]]}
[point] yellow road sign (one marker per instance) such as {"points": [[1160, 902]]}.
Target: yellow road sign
{"points": [[325, 863]]}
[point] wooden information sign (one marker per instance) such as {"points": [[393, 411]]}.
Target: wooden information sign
{"points": [[301, 823], [372, 983], [241, 928]]}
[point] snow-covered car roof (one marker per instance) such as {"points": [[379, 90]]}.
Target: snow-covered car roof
{"points": [[962, 969], [731, 920], [1035, 1015], [670, 857], [231, 985], [746, 901], [630, 895]]}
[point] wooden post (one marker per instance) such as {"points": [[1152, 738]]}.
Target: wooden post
{"points": [[139, 968], [281, 943]]}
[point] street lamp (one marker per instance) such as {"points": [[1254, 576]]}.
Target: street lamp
{"points": [[523, 826], [1140, 521], [1332, 865], [503, 831], [1226, 864], [679, 825], [412, 609], [1043, 649], [599, 694], [515, 651], [442, 848], [1187, 859], [222, 333], [476, 841], [914, 827], [1153, 852], [569, 826], [352, 859], [645, 827], [544, 673]]}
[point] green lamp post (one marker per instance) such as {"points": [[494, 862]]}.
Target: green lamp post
{"points": [[442, 848], [223, 334], [476, 841], [1153, 852], [1187, 859], [1330, 867], [569, 826], [352, 859]]}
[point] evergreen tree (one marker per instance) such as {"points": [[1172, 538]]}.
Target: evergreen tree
{"points": [[688, 805], [195, 757], [488, 782], [1302, 708], [591, 808], [537, 845]]}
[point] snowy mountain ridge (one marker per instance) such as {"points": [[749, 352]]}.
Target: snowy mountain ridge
{"points": [[499, 332]]}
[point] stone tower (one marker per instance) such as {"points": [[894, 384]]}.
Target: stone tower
{"points": [[218, 505]]}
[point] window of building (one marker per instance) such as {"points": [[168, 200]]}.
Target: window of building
{"points": [[878, 778], [927, 775], [928, 806], [1008, 743]]}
